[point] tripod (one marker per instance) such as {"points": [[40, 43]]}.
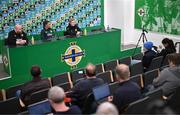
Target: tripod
{"points": [[143, 37]]}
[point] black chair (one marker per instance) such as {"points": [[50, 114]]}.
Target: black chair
{"points": [[106, 76], [165, 61], [38, 96], [149, 77], [10, 106], [126, 61], [61, 78], [174, 101], [110, 65], [99, 68], [138, 107], [66, 86], [155, 63], [155, 94], [137, 79], [113, 86], [90, 105], [77, 74], [136, 69], [11, 92], [138, 56]]}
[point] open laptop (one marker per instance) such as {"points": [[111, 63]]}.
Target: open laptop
{"points": [[101, 93], [40, 108]]}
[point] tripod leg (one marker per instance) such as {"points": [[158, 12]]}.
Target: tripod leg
{"points": [[137, 45]]}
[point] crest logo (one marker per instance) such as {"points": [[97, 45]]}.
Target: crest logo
{"points": [[73, 55]]}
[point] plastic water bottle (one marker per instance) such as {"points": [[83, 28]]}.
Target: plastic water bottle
{"points": [[85, 32], [32, 40], [108, 28]]}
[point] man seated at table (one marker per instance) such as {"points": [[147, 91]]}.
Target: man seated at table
{"points": [[17, 36], [47, 32], [72, 29]]}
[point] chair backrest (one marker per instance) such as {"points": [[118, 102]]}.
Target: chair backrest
{"points": [[113, 87], [40, 108], [126, 60], [39, 96], [10, 106], [106, 76], [110, 65], [138, 107], [66, 86], [138, 79], [77, 74], [155, 94], [61, 78], [150, 76], [136, 69], [138, 56], [11, 92], [165, 61], [155, 63], [99, 68]]}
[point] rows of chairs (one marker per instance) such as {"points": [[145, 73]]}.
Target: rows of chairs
{"points": [[104, 71]]}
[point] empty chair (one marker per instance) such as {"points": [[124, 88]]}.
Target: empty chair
{"points": [[137, 79], [106, 76], [77, 74], [155, 63], [38, 96], [113, 87], [11, 92], [61, 78], [126, 61], [138, 56], [66, 86], [138, 107], [149, 77], [110, 65], [10, 106], [99, 68], [136, 69]]}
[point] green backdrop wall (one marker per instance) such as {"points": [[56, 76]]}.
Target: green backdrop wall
{"points": [[158, 15]]}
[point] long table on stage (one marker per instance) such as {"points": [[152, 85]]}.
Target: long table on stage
{"points": [[98, 47]]}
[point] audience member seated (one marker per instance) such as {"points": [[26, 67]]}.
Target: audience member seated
{"points": [[84, 87], [169, 78], [34, 85], [128, 91], [107, 108], [149, 54], [169, 47], [56, 96]]}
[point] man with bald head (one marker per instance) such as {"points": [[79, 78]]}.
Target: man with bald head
{"points": [[128, 91], [84, 87], [17, 36]]}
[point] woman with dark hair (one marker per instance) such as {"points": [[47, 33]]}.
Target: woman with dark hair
{"points": [[169, 47]]}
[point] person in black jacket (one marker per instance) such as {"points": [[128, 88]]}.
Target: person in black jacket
{"points": [[47, 32], [17, 36], [84, 87], [149, 54], [169, 47], [34, 85], [72, 29]]}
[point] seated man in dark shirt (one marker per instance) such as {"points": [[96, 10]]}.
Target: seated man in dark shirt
{"points": [[128, 91], [84, 87], [56, 97], [47, 32], [32, 86], [17, 37], [72, 29]]}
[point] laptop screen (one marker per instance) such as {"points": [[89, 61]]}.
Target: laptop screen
{"points": [[101, 92], [40, 108]]}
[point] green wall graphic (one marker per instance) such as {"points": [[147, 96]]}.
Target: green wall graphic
{"points": [[158, 15]]}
